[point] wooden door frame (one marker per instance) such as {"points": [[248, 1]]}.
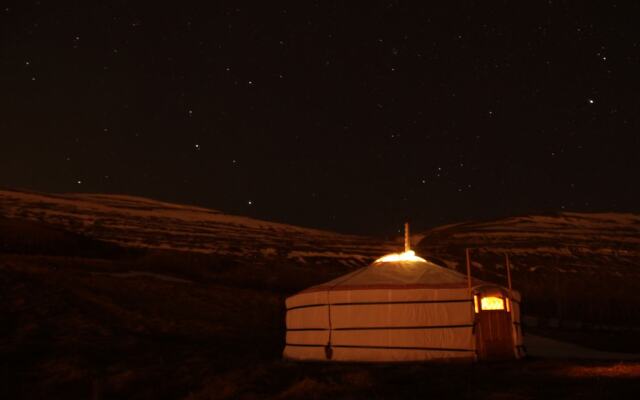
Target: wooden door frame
{"points": [[492, 291]]}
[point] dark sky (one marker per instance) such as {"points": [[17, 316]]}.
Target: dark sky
{"points": [[351, 118]]}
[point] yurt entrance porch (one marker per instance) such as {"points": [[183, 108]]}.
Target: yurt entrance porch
{"points": [[494, 326]]}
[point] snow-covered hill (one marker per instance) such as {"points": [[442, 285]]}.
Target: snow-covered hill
{"points": [[565, 243], [139, 222], [569, 266], [583, 267]]}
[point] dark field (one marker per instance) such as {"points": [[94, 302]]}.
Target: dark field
{"points": [[85, 319], [74, 328]]}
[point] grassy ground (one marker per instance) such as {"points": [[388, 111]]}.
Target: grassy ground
{"points": [[527, 379], [70, 330]]}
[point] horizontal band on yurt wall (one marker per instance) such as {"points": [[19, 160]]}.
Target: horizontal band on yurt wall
{"points": [[356, 346], [307, 306], [389, 293], [372, 328], [373, 303]]}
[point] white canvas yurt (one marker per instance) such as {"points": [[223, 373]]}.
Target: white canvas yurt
{"points": [[403, 308]]}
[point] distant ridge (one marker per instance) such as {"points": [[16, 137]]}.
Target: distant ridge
{"points": [[140, 222], [570, 266], [568, 242]]}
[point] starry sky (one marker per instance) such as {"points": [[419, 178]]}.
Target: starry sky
{"points": [[350, 117]]}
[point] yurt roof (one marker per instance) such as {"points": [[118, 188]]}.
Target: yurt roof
{"points": [[418, 273]]}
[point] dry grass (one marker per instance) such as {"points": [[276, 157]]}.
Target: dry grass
{"points": [[69, 330], [618, 370], [68, 333]]}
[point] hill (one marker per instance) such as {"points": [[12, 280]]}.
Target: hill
{"points": [[569, 266], [577, 266], [108, 296], [150, 224]]}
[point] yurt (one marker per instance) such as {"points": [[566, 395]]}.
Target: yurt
{"points": [[403, 308]]}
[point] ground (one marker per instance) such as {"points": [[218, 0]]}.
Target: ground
{"points": [[199, 327]]}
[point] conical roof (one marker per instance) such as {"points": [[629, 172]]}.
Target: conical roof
{"points": [[419, 274]]}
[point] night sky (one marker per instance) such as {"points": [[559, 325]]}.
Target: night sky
{"points": [[327, 115]]}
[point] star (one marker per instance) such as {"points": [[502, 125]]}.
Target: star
{"points": [[591, 101], [197, 146]]}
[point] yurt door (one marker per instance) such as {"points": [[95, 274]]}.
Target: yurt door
{"points": [[494, 338]]}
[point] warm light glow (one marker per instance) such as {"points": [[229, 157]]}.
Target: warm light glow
{"points": [[492, 303], [475, 304], [399, 257], [508, 305]]}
